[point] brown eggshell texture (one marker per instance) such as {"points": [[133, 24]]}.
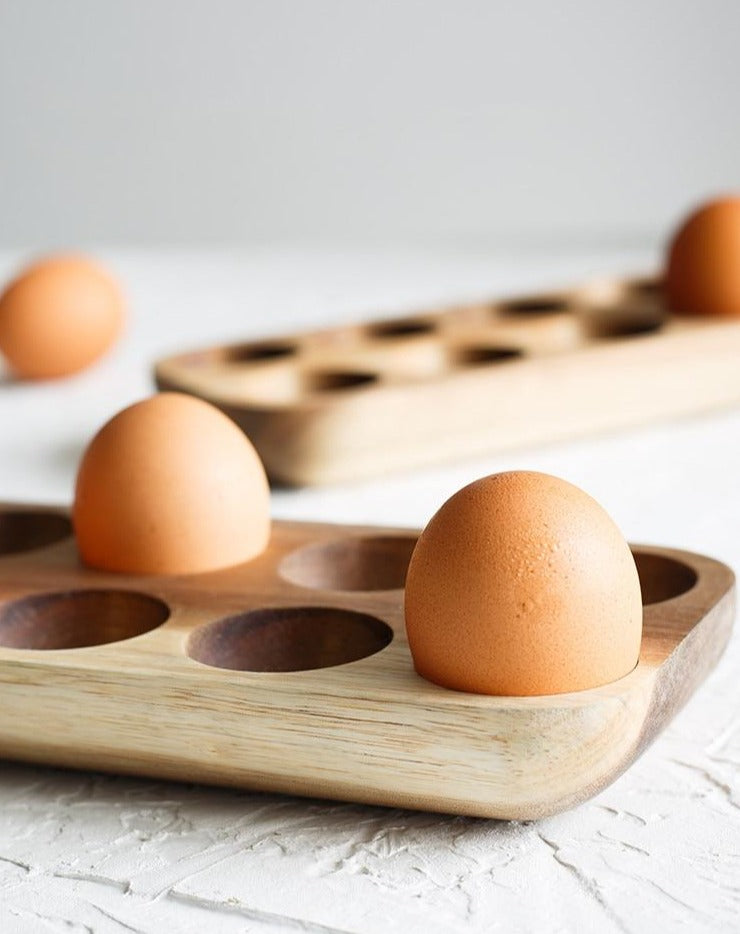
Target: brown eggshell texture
{"points": [[521, 584], [703, 269], [59, 316], [170, 485]]}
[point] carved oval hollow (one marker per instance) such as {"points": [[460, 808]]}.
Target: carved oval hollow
{"points": [[354, 564], [533, 306], [78, 618], [24, 531], [288, 639], [662, 578], [650, 288], [401, 327], [336, 380], [623, 323], [264, 350], [482, 354]]}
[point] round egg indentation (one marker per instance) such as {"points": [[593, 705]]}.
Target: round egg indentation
{"points": [[75, 619], [289, 639]]}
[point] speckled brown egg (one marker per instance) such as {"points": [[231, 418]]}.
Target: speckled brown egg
{"points": [[170, 485], [703, 270], [58, 316], [521, 584]]}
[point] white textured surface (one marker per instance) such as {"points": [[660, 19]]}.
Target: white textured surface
{"points": [[657, 851]]}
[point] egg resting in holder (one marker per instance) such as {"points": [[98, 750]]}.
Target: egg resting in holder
{"points": [[521, 584], [703, 268], [170, 485]]}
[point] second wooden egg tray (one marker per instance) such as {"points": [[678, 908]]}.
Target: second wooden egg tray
{"points": [[292, 673], [351, 401]]}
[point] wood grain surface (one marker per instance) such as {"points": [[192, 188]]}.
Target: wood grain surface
{"points": [[380, 396], [292, 673]]}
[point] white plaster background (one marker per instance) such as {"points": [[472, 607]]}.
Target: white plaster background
{"points": [[413, 120], [657, 851]]}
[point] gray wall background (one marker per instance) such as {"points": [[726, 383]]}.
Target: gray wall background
{"points": [[384, 120]]}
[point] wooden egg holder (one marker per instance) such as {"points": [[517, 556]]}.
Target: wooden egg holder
{"points": [[291, 673], [352, 401]]}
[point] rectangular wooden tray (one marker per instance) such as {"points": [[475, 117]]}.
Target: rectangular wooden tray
{"points": [[163, 694], [355, 401]]}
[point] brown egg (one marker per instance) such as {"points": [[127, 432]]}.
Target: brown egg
{"points": [[521, 584], [170, 485], [703, 272], [58, 316]]}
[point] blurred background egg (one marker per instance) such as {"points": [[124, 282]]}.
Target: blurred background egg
{"points": [[170, 485], [703, 270], [58, 316], [521, 584]]}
